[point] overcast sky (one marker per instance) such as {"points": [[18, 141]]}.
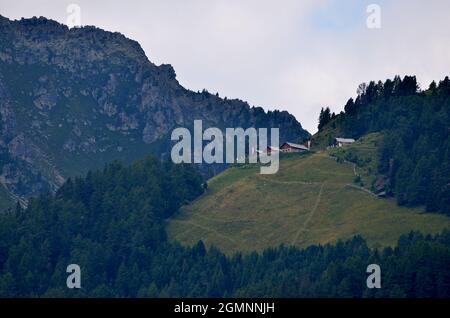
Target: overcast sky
{"points": [[287, 54]]}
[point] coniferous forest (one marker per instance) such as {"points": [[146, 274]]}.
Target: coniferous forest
{"points": [[91, 122], [415, 152], [111, 223]]}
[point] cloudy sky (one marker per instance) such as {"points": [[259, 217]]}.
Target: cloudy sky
{"points": [[287, 54]]}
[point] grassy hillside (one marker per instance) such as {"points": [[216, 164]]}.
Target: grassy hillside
{"points": [[312, 199], [365, 157]]}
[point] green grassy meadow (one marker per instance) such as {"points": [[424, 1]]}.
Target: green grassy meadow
{"points": [[311, 200]]}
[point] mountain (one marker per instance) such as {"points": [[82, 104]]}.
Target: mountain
{"points": [[315, 198], [111, 223], [415, 147], [74, 99]]}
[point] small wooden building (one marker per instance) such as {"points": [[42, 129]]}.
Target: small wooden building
{"points": [[291, 147], [339, 142]]}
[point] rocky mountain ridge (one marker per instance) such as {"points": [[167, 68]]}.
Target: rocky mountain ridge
{"points": [[73, 99]]}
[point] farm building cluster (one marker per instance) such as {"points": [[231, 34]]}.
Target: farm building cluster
{"points": [[289, 147]]}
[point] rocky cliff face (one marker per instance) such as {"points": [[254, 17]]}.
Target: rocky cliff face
{"points": [[73, 99]]}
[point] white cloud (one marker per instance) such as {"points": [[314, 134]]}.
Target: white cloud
{"points": [[293, 55]]}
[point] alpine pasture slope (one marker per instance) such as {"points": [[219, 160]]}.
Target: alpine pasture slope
{"points": [[311, 200]]}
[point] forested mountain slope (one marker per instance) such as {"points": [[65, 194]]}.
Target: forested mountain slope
{"points": [[415, 150], [111, 223], [74, 99]]}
